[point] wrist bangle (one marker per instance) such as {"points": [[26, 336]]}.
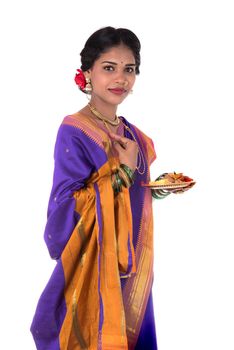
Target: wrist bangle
{"points": [[129, 172], [124, 177], [158, 194], [116, 183]]}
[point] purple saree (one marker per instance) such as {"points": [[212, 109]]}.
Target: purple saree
{"points": [[106, 311]]}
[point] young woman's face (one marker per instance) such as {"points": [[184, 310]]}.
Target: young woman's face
{"points": [[113, 75]]}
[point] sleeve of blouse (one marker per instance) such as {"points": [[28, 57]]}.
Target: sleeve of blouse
{"points": [[148, 146], [71, 169], [151, 151]]}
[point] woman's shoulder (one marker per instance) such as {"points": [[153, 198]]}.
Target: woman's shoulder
{"points": [[75, 119], [78, 120], [80, 126]]}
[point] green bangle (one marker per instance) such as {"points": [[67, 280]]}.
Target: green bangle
{"points": [[115, 184], [163, 193], [130, 173], [157, 194], [127, 169], [118, 183], [118, 180]]}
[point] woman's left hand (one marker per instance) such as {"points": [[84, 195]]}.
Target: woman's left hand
{"points": [[182, 190]]}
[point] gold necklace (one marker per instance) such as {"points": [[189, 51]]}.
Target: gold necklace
{"points": [[101, 117]]}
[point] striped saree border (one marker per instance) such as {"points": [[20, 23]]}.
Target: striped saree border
{"points": [[99, 241], [137, 288], [87, 127]]}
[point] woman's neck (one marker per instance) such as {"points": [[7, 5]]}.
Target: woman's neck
{"points": [[106, 109]]}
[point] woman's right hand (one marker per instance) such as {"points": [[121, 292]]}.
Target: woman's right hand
{"points": [[127, 150]]}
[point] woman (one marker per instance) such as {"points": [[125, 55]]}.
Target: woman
{"points": [[100, 222]]}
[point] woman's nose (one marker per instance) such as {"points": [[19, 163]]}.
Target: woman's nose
{"points": [[121, 79]]}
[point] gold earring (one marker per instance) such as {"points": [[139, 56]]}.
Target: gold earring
{"points": [[88, 87]]}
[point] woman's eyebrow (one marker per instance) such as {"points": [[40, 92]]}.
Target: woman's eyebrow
{"points": [[128, 64], [109, 62]]}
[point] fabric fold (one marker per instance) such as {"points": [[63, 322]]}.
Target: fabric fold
{"points": [[94, 240]]}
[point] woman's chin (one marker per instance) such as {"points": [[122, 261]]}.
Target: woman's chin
{"points": [[116, 99], [110, 98]]}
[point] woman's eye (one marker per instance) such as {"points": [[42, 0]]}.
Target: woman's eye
{"points": [[109, 68], [130, 70]]}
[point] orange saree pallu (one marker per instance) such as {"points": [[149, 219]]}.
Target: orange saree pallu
{"points": [[97, 295]]}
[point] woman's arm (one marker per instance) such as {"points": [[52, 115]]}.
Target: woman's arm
{"points": [[72, 167]]}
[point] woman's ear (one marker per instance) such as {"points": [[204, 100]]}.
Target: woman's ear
{"points": [[87, 74]]}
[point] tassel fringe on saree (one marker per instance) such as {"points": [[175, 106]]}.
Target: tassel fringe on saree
{"points": [[97, 295]]}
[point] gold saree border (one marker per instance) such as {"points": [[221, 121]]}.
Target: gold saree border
{"points": [[137, 289]]}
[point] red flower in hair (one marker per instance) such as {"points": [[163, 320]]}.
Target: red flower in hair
{"points": [[80, 79]]}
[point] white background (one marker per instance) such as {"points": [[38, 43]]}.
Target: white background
{"points": [[183, 99]]}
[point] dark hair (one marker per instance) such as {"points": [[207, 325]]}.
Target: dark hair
{"points": [[104, 39]]}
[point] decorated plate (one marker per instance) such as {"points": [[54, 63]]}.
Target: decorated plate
{"points": [[154, 185], [170, 181]]}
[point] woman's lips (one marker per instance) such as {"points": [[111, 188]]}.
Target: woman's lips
{"points": [[118, 91]]}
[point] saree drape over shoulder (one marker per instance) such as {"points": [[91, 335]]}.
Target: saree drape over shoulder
{"points": [[99, 294]]}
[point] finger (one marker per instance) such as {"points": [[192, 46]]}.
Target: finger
{"points": [[182, 190], [178, 192], [118, 137], [119, 145]]}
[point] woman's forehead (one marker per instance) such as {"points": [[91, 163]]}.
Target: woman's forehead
{"points": [[119, 54]]}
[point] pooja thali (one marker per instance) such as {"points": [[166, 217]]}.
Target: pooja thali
{"points": [[170, 181]]}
